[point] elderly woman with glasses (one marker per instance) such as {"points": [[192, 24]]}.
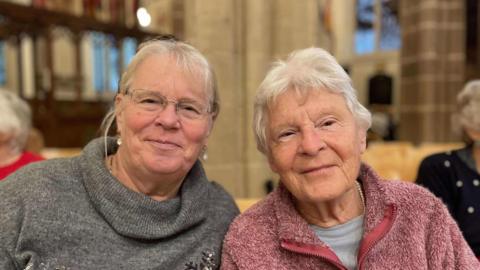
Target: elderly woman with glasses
{"points": [[137, 201], [330, 211]]}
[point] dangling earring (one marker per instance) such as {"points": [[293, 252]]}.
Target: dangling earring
{"points": [[119, 141], [204, 153]]}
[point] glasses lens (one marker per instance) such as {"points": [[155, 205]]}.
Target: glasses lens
{"points": [[153, 102]]}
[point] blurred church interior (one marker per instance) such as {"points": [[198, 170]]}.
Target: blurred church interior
{"points": [[407, 59]]}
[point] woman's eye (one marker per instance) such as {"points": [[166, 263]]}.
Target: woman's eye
{"points": [[329, 123], [189, 108], [286, 134], [149, 101], [326, 123]]}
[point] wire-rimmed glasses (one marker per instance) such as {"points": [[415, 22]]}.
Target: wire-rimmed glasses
{"points": [[151, 102]]}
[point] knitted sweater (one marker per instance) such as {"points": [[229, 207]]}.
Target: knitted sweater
{"points": [[25, 158], [73, 214], [405, 227]]}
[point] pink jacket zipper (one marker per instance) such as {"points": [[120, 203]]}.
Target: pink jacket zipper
{"points": [[365, 246]]}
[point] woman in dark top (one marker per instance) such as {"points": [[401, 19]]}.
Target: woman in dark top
{"points": [[454, 175]]}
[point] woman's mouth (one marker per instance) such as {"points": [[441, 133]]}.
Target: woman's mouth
{"points": [[164, 144], [316, 169]]}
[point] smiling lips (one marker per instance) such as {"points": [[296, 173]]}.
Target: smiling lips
{"points": [[318, 169], [165, 144]]}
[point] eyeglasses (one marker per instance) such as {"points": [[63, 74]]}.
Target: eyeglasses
{"points": [[151, 102]]}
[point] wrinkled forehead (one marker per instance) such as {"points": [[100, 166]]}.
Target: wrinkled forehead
{"points": [[155, 68], [301, 95]]}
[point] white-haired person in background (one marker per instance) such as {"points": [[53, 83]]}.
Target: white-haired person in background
{"points": [[454, 176], [138, 200], [330, 211], [15, 126]]}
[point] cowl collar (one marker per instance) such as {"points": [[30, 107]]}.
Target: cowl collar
{"points": [[134, 214]]}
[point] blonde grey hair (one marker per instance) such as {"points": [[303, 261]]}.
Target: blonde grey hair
{"points": [[304, 70], [15, 119], [468, 113], [187, 57]]}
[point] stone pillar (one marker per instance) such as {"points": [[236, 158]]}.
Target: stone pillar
{"points": [[241, 38], [258, 57], [215, 28], [432, 68]]}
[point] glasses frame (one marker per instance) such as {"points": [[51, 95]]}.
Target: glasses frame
{"points": [[203, 112]]}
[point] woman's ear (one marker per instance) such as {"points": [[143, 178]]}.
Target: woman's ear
{"points": [[363, 141]]}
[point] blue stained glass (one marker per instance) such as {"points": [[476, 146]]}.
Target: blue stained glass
{"points": [[390, 38], [365, 41], [365, 32], [98, 62], [114, 70], [3, 74], [129, 49]]}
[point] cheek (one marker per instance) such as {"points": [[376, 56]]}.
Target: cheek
{"points": [[282, 158], [197, 135], [132, 123]]}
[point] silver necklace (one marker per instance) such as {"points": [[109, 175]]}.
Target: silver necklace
{"points": [[360, 192]]}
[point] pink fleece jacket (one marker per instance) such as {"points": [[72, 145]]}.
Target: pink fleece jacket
{"points": [[405, 227]]}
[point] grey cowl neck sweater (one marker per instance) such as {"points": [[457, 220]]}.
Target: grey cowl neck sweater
{"points": [[136, 215]]}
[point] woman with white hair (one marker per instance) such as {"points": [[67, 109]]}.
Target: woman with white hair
{"points": [[454, 176], [330, 211], [15, 124], [138, 200]]}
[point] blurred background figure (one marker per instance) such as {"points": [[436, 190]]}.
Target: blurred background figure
{"points": [[454, 175], [15, 127]]}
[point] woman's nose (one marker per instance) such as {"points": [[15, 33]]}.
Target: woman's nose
{"points": [[168, 117], [312, 142]]}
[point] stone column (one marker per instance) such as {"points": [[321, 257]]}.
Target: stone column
{"points": [[241, 38], [215, 28], [432, 68]]}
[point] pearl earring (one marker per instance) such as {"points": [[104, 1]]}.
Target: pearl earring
{"points": [[119, 141], [204, 153]]}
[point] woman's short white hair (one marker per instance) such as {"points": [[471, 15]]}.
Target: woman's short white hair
{"points": [[15, 119], [189, 58], [468, 102], [304, 70]]}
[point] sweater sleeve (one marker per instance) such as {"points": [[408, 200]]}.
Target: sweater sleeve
{"points": [[447, 249], [433, 175]]}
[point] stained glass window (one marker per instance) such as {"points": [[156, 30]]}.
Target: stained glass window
{"points": [[377, 26], [3, 74], [365, 33], [106, 72], [390, 28], [99, 51]]}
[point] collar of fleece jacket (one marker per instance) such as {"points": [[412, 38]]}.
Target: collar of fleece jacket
{"points": [[293, 228]]}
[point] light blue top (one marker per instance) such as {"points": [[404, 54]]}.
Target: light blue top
{"points": [[343, 239]]}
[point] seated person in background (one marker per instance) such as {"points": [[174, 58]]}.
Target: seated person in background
{"points": [[330, 211], [139, 200], [15, 126], [454, 176]]}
